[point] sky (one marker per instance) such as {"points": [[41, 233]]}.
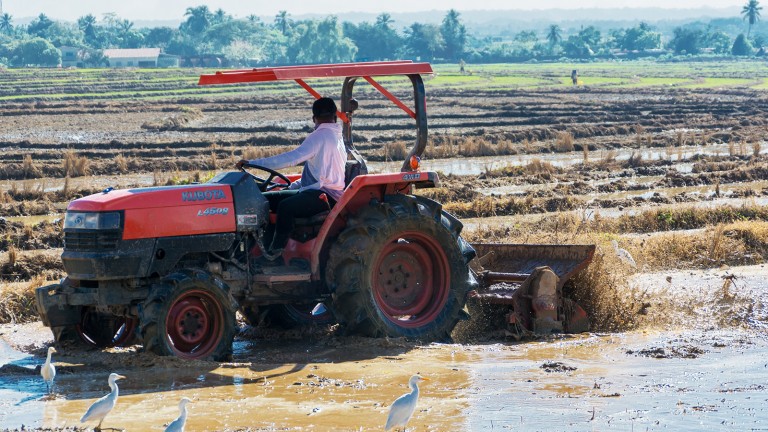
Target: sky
{"points": [[70, 10]]}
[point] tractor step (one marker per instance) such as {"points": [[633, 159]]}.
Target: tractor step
{"points": [[282, 274]]}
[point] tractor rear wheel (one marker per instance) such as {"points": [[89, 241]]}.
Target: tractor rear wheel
{"points": [[190, 315], [400, 269]]}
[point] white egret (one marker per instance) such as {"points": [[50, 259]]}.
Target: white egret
{"points": [[178, 424], [104, 405], [48, 371], [402, 408], [623, 254]]}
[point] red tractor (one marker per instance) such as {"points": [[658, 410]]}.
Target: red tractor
{"points": [[170, 266]]}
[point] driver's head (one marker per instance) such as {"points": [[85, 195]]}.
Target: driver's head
{"points": [[324, 110]]}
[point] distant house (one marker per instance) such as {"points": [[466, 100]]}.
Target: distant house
{"points": [[134, 57], [71, 56], [205, 60], [168, 60]]}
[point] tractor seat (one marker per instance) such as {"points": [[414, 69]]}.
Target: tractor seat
{"points": [[314, 220], [353, 169]]}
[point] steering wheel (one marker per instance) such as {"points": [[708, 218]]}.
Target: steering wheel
{"points": [[266, 185]]}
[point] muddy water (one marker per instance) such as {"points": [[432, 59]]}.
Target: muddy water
{"points": [[699, 362], [272, 386], [455, 166], [593, 382], [596, 384], [479, 165]]}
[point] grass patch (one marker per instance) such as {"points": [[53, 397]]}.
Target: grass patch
{"points": [[682, 218], [151, 84], [445, 79], [710, 82], [655, 82], [762, 86]]}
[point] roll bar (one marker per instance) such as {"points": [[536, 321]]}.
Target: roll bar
{"points": [[351, 73]]}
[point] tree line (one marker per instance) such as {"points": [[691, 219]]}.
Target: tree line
{"points": [[250, 41]]}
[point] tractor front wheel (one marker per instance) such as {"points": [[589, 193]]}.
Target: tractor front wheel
{"points": [[190, 315]]}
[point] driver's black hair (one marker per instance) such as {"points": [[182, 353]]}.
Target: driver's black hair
{"points": [[324, 107]]}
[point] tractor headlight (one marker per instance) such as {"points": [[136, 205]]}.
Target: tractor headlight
{"points": [[92, 220]]}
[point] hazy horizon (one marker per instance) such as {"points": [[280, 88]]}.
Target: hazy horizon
{"points": [[175, 9]]}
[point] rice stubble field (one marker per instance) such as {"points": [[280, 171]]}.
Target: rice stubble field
{"points": [[667, 159]]}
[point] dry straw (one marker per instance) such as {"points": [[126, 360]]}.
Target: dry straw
{"points": [[17, 301], [121, 163], [564, 142], [74, 165], [29, 169]]}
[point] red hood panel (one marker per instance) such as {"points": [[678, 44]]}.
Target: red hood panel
{"points": [[153, 197], [167, 211]]}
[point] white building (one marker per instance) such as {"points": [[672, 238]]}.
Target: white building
{"points": [[71, 56], [134, 57]]}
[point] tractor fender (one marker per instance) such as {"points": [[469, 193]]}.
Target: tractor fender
{"points": [[359, 194]]}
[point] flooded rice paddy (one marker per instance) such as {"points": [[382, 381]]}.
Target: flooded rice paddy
{"points": [[698, 362]]}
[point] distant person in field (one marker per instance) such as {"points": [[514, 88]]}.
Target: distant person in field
{"points": [[322, 179], [575, 76]]}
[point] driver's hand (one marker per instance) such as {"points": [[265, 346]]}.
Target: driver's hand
{"points": [[240, 163]]}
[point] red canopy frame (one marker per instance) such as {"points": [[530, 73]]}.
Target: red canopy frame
{"points": [[366, 70]]}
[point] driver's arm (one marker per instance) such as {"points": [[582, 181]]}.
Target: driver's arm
{"points": [[302, 153]]}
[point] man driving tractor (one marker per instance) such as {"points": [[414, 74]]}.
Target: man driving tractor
{"points": [[323, 174]]}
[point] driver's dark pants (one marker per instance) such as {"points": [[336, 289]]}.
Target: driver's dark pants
{"points": [[292, 204]]}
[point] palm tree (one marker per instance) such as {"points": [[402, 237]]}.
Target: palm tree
{"points": [[124, 27], [384, 20], [282, 22], [751, 13], [39, 25], [5, 23], [88, 25], [198, 19], [219, 16], [554, 36]]}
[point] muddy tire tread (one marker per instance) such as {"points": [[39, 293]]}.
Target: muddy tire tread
{"points": [[350, 256], [151, 313]]}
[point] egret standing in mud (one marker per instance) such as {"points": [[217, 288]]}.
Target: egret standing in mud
{"points": [[48, 371], [103, 406], [178, 424], [623, 254], [402, 408]]}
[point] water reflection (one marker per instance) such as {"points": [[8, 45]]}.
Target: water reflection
{"points": [[479, 165]]}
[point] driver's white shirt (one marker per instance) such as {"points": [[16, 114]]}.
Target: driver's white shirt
{"points": [[325, 156]]}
